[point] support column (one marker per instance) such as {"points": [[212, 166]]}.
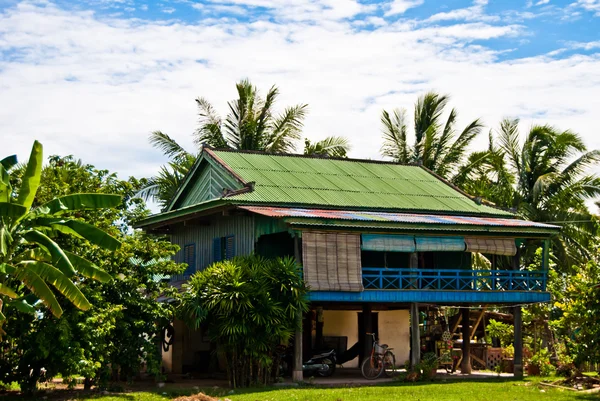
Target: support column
{"points": [[297, 374], [319, 328], [368, 328], [415, 335], [518, 372], [465, 364]]}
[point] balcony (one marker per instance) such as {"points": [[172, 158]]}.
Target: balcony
{"points": [[378, 278]]}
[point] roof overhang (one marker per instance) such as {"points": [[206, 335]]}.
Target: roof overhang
{"points": [[386, 221]]}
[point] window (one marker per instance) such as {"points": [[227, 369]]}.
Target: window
{"points": [[189, 257], [223, 248]]}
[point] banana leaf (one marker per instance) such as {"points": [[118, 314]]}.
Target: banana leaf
{"points": [[12, 209], [22, 305], [9, 162], [61, 282], [82, 230], [81, 202], [9, 292], [88, 269], [32, 176], [36, 285], [59, 258]]}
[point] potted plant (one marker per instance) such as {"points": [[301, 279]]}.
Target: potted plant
{"points": [[429, 365], [508, 361], [539, 364]]}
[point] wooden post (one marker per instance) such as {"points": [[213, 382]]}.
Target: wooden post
{"points": [[518, 372], [415, 335], [465, 364], [368, 328], [297, 374]]}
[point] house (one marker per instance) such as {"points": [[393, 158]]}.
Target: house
{"points": [[380, 244]]}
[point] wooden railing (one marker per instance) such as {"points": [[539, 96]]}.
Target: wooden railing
{"points": [[453, 279]]}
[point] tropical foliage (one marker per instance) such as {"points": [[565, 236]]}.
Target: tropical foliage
{"points": [[251, 124], [437, 145], [544, 177], [249, 305], [120, 334], [31, 259]]}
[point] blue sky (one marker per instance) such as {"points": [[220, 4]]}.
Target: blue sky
{"points": [[94, 78]]}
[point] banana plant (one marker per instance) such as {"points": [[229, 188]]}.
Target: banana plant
{"points": [[31, 260]]}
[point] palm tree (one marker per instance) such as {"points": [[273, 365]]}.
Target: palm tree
{"points": [[436, 144], [544, 179], [30, 258], [251, 124], [334, 146]]}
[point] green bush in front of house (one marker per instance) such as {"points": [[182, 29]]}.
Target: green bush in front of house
{"points": [[250, 305]]}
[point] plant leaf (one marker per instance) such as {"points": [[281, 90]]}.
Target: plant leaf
{"points": [[82, 201], [13, 210], [9, 292], [36, 285], [88, 269], [59, 258], [22, 306], [9, 162], [32, 176], [83, 230], [61, 282]]}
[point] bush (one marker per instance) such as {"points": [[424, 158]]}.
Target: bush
{"points": [[251, 305], [542, 361]]}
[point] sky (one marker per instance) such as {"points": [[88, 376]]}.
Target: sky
{"points": [[93, 78]]}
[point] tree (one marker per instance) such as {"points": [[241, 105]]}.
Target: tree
{"points": [[334, 146], [30, 257], [122, 333], [251, 124], [436, 145], [544, 179], [250, 305]]}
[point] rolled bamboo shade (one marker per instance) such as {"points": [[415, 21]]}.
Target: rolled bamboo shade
{"points": [[331, 261]]}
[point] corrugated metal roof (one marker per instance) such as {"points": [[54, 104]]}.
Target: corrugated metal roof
{"points": [[338, 183], [395, 217]]}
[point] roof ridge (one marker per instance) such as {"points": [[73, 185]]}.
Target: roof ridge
{"points": [[317, 157]]}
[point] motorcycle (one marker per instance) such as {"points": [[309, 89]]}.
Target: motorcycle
{"points": [[322, 364]]}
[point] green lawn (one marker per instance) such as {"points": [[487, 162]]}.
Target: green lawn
{"points": [[475, 390]]}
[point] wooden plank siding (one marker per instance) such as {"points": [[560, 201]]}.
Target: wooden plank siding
{"points": [[209, 184], [241, 227]]}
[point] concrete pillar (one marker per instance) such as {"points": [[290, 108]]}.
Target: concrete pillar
{"points": [[297, 374], [415, 335], [367, 328], [319, 328], [518, 372], [465, 364]]}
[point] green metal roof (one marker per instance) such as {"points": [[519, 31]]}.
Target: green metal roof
{"points": [[296, 180]]}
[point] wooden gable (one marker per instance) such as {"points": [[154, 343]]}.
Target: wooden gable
{"points": [[208, 181]]}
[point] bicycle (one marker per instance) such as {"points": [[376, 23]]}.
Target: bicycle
{"points": [[382, 360]]}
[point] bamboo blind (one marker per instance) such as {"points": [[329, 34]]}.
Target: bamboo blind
{"points": [[332, 261], [495, 246]]}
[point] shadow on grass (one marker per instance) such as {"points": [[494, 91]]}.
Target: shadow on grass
{"points": [[170, 393]]}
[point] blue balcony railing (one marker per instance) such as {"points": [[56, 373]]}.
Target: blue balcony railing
{"points": [[453, 280]]}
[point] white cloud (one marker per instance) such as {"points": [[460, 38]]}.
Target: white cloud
{"points": [[542, 2], [474, 13], [96, 87], [588, 5], [397, 7]]}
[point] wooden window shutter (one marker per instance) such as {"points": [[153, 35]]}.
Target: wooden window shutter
{"points": [[189, 257], [229, 247], [217, 256]]}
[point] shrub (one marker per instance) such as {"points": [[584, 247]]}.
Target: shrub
{"points": [[251, 305]]}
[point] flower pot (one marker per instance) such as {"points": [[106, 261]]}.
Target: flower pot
{"points": [[533, 370], [508, 365]]}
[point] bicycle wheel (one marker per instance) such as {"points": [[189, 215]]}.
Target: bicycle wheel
{"points": [[389, 364], [372, 368]]}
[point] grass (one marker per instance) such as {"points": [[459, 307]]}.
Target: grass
{"points": [[451, 390]]}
